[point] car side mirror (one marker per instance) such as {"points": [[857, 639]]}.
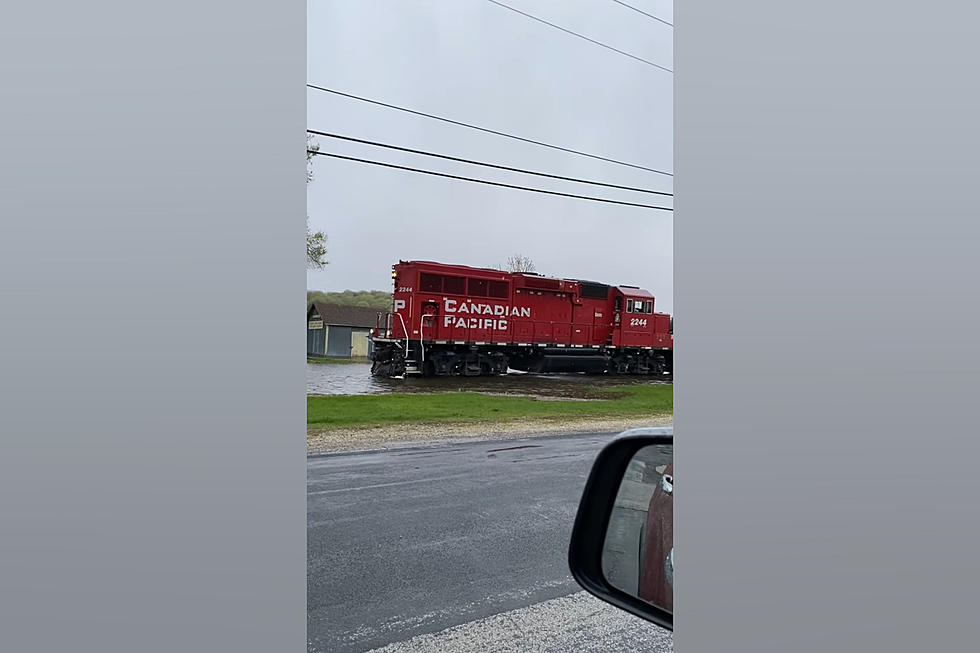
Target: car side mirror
{"points": [[622, 547]]}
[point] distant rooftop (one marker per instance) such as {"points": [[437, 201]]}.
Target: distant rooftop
{"points": [[341, 315]]}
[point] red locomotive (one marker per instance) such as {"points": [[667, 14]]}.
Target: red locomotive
{"points": [[451, 320]]}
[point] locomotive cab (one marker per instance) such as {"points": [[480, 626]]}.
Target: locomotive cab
{"points": [[632, 317], [640, 341]]}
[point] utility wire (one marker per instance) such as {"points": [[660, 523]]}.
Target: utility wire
{"points": [[568, 31], [619, 2], [489, 183], [489, 131], [488, 165]]}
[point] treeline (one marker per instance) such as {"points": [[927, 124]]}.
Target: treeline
{"points": [[376, 299]]}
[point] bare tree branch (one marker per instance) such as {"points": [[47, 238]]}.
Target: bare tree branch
{"points": [[520, 263]]}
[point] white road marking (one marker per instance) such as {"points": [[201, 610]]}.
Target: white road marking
{"points": [[578, 622]]}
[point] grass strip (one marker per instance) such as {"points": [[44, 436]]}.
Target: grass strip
{"points": [[617, 401]]}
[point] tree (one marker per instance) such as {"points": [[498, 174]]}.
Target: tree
{"points": [[316, 248], [316, 241], [376, 299], [520, 263], [311, 149]]}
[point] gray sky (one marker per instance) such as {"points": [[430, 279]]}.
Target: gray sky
{"points": [[475, 62]]}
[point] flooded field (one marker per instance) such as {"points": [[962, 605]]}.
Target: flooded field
{"points": [[356, 379]]}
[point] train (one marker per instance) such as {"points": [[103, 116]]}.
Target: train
{"points": [[457, 320]]}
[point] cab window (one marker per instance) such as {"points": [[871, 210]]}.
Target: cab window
{"points": [[629, 305]]}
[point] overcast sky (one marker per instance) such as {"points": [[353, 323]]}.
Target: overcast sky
{"points": [[476, 62]]}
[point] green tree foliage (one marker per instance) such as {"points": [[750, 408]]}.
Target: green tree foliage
{"points": [[316, 248], [312, 147], [377, 299], [316, 241]]}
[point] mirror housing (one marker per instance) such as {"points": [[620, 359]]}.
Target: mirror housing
{"points": [[585, 553]]}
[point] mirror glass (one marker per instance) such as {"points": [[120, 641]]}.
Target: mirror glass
{"points": [[638, 552]]}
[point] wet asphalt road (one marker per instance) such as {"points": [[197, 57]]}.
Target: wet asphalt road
{"points": [[407, 543]]}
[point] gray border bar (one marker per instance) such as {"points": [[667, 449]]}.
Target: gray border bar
{"points": [[826, 245], [152, 457]]}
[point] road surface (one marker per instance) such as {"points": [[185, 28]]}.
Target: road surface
{"points": [[458, 548]]}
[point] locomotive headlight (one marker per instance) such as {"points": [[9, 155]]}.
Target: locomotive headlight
{"points": [[394, 274]]}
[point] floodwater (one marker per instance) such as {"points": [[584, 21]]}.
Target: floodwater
{"points": [[356, 379]]}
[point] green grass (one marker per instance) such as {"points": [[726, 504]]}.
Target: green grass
{"points": [[336, 361], [351, 410]]}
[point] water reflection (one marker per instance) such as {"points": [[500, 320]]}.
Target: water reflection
{"points": [[356, 379]]}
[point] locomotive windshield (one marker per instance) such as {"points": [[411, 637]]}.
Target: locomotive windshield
{"points": [[637, 306]]}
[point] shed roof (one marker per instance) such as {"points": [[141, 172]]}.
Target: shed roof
{"points": [[341, 315]]}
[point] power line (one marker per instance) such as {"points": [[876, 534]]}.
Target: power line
{"points": [[489, 183], [488, 131], [488, 165], [619, 2], [568, 31]]}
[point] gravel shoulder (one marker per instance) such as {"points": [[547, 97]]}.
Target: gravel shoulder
{"points": [[578, 622], [392, 436]]}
